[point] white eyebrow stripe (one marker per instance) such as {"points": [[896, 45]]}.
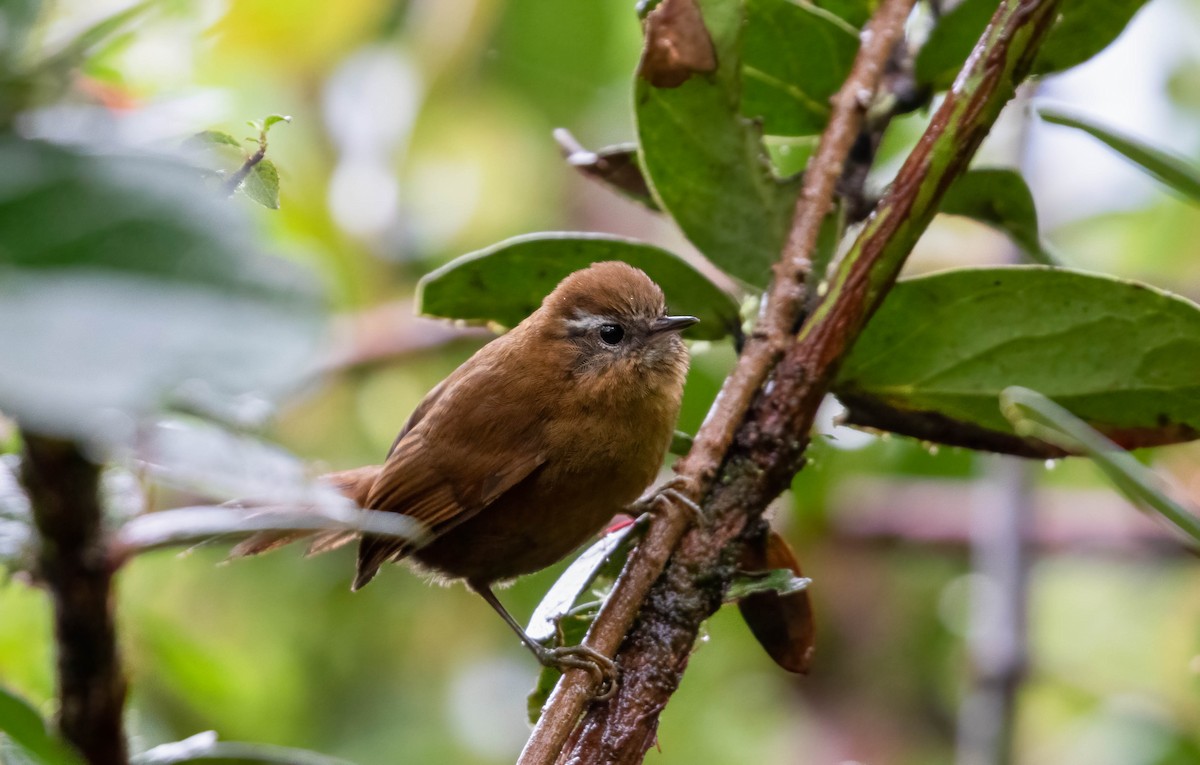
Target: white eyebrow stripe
{"points": [[584, 321]]}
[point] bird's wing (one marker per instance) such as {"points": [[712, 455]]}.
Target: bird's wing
{"points": [[411, 483], [437, 473]]}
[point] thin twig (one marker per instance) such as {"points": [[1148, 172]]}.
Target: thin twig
{"points": [[781, 312], [771, 441], [235, 180], [63, 487]]}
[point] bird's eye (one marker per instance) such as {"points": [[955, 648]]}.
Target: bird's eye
{"points": [[611, 333]]}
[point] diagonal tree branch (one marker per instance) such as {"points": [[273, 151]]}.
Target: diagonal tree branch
{"points": [[64, 490], [774, 330], [769, 442]]}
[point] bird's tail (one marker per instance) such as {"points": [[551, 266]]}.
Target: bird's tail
{"points": [[355, 484]]}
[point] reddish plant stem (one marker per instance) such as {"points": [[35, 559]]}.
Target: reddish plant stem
{"points": [[63, 486], [771, 438]]}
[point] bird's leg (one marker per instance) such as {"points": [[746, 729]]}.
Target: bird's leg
{"points": [[602, 668]]}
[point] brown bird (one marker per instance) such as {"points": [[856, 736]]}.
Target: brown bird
{"points": [[535, 442]]}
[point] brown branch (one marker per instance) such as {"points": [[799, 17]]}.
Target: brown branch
{"points": [[771, 439], [63, 487], [773, 332]]}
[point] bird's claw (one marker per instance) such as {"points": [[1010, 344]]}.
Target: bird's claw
{"points": [[674, 491], [602, 669]]}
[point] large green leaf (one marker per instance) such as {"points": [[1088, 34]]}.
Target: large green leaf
{"points": [[705, 161], [943, 54], [1001, 199], [1168, 168], [506, 282], [794, 58], [1084, 28], [26, 728], [934, 359], [1034, 415], [125, 286]]}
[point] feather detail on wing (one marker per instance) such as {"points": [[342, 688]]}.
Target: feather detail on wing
{"points": [[412, 484]]}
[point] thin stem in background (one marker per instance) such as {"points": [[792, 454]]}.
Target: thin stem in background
{"points": [[997, 641], [64, 489]]}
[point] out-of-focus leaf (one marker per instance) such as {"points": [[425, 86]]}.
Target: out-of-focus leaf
{"points": [[207, 460], [17, 20], [275, 119], [26, 728], [616, 166], [943, 54], [506, 282], [1168, 168], [776, 605], [79, 47], [124, 281], [1123, 356], [186, 526], [216, 137], [705, 161], [262, 184], [794, 58], [1001, 199], [1084, 28], [1036, 416], [561, 617], [204, 747]]}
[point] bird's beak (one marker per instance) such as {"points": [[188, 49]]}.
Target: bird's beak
{"points": [[672, 324]]}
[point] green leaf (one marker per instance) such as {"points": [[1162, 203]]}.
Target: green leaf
{"points": [[274, 119], [125, 286], [1084, 28], [1001, 199], [934, 359], [216, 137], [77, 49], [1168, 168], [17, 20], [950, 42], [1034, 415], [506, 282], [26, 728], [795, 57], [204, 747], [681, 443], [705, 162], [780, 581], [854, 12], [262, 184]]}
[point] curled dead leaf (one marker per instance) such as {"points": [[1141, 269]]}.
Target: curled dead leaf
{"points": [[678, 45]]}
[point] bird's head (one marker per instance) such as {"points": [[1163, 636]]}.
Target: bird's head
{"points": [[613, 319]]}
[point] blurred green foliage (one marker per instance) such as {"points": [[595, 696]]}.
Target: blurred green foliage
{"points": [[422, 131]]}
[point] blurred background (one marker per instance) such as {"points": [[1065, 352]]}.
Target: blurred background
{"points": [[422, 130]]}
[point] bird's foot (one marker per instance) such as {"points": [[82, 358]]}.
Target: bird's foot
{"points": [[602, 669], [673, 492]]}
